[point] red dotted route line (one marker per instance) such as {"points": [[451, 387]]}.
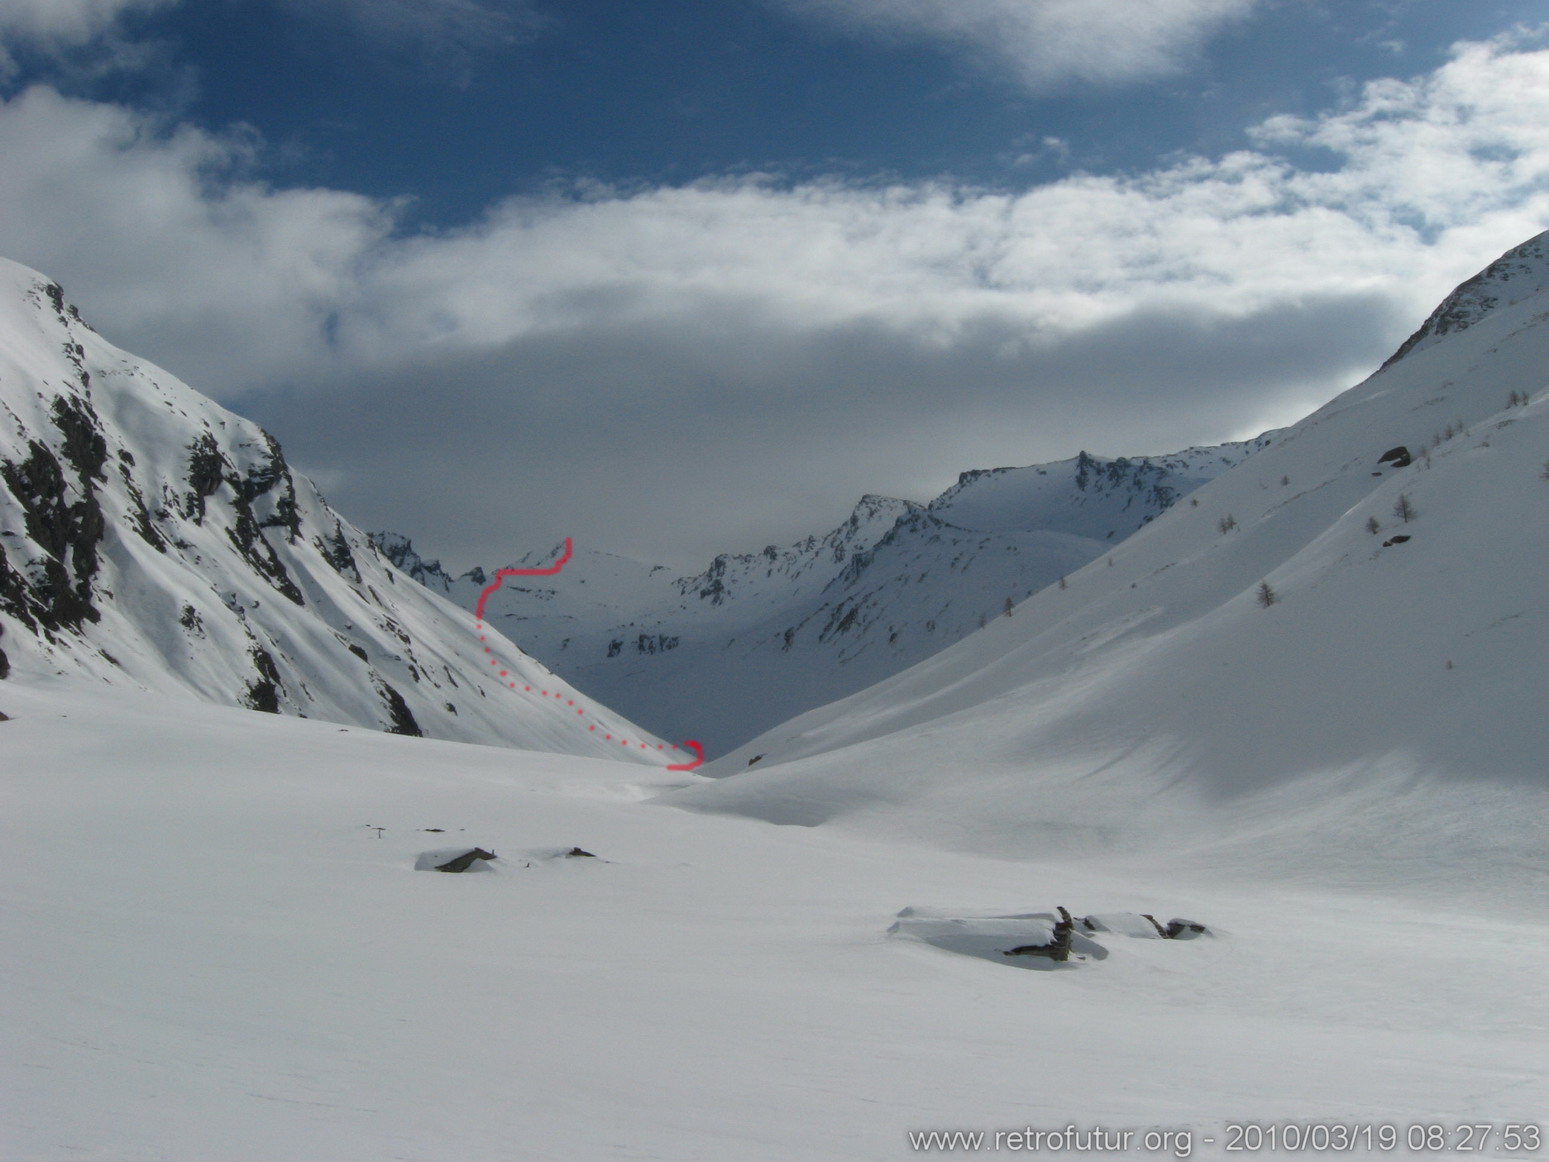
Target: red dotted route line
{"points": [[569, 703]]}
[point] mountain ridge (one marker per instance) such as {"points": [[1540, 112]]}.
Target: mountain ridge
{"points": [[150, 537], [758, 637]]}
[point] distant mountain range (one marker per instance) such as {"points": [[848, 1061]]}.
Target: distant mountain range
{"points": [[151, 538], [1254, 647], [758, 638]]}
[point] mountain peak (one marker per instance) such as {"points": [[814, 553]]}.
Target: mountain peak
{"points": [[1521, 273]]}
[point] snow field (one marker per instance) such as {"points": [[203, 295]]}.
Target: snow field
{"points": [[210, 952]]}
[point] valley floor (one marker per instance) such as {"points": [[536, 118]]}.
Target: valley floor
{"points": [[214, 948]]}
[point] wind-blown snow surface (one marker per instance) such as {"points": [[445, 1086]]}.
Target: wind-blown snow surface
{"points": [[209, 952], [758, 638], [1399, 675], [151, 538]]}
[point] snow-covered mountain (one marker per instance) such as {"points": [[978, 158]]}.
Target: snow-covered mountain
{"points": [[758, 638], [1352, 620], [1320, 740], [151, 537]]}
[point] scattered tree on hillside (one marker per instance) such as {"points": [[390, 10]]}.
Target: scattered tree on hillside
{"points": [[1373, 525], [1403, 508], [1227, 523], [1267, 595]]}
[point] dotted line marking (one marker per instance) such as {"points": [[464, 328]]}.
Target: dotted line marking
{"points": [[570, 703]]}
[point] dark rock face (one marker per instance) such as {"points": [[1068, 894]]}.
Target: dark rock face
{"points": [[1399, 457], [336, 551], [59, 593], [263, 692], [208, 470], [400, 717]]}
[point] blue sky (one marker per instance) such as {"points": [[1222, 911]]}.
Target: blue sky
{"points": [[461, 111], [698, 274]]}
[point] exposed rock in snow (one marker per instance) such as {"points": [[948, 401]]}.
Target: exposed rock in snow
{"points": [[454, 859]]}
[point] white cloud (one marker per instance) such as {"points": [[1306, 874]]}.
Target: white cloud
{"points": [[65, 21], [617, 352], [54, 26], [228, 280], [1044, 43]]}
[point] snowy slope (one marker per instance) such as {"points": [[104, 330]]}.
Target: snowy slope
{"points": [[1401, 669], [247, 969], [758, 638], [150, 538]]}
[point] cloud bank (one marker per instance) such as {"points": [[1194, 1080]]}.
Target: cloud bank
{"points": [[675, 370]]}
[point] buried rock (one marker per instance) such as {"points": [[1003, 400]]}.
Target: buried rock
{"points": [[454, 859]]}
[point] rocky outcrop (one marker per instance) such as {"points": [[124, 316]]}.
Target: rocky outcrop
{"points": [[150, 536], [1518, 274]]}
